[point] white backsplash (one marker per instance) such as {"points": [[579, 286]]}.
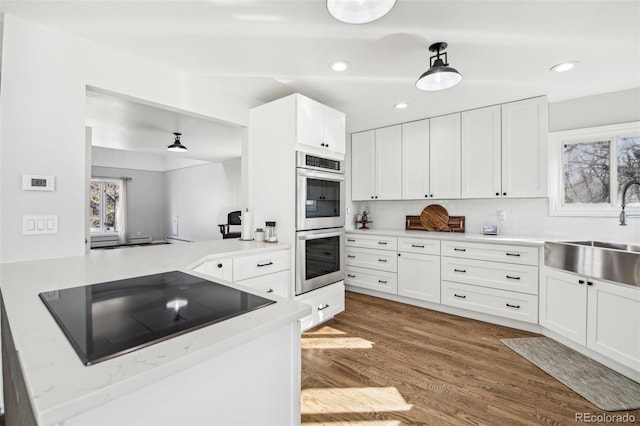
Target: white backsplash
{"points": [[523, 217]]}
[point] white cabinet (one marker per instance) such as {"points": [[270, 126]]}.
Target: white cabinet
{"points": [[415, 160], [419, 276], [481, 153], [371, 262], [376, 164], [217, 268], [524, 148], [325, 303], [278, 283], [260, 264], [605, 317], [444, 155], [319, 127], [495, 279]]}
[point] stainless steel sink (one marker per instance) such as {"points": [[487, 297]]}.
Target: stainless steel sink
{"points": [[597, 259]]}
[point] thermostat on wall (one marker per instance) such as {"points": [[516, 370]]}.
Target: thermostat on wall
{"points": [[38, 183]]}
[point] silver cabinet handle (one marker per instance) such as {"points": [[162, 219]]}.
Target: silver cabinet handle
{"points": [[382, 260], [460, 296], [260, 265], [513, 254], [322, 308], [460, 270], [513, 306], [351, 240], [513, 278], [382, 281], [351, 256], [417, 246], [351, 276], [384, 243], [459, 249]]}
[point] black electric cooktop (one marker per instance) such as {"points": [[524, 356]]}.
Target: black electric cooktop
{"points": [[109, 319]]}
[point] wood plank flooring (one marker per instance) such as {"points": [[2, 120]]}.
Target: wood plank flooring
{"points": [[387, 363]]}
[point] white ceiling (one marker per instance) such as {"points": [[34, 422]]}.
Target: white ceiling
{"points": [[264, 49]]}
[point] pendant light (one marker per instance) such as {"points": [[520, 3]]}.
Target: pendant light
{"points": [[359, 11], [176, 146], [440, 76]]}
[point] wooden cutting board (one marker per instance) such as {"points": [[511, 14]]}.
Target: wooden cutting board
{"points": [[435, 218]]}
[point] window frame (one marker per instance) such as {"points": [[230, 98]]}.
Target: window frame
{"points": [[102, 182], [557, 140]]}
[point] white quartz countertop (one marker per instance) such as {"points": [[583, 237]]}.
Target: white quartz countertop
{"points": [[453, 236], [59, 384]]}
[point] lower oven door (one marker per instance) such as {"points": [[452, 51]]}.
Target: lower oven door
{"points": [[319, 258]]}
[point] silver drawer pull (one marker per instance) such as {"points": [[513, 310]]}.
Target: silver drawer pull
{"points": [[513, 306], [384, 243], [322, 308], [461, 296], [459, 249], [270, 290], [351, 240], [382, 281], [260, 265], [351, 276], [513, 278], [513, 254], [460, 270], [352, 256], [417, 246], [382, 260]]}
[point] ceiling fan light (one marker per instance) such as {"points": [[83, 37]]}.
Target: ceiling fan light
{"points": [[359, 11], [438, 78], [176, 146]]}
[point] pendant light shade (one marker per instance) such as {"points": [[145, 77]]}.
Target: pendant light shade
{"points": [[176, 146], [440, 75], [359, 11]]}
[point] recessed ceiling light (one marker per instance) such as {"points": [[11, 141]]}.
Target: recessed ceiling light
{"points": [[565, 66], [401, 105], [340, 66]]}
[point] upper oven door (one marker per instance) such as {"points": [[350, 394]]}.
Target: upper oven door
{"points": [[319, 200]]}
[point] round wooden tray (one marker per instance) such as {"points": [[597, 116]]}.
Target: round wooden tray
{"points": [[435, 218]]}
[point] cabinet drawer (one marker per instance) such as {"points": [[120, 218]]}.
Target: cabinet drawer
{"points": [[277, 283], [519, 306], [325, 303], [386, 282], [510, 277], [420, 246], [372, 241], [260, 264], [217, 268], [523, 255], [382, 260]]}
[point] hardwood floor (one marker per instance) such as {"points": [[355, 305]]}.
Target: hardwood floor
{"points": [[387, 363]]}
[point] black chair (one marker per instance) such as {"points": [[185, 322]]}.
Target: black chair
{"points": [[233, 219]]}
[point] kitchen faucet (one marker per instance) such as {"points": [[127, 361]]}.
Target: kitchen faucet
{"points": [[623, 215]]}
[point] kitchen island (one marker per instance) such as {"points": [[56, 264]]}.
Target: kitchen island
{"points": [[243, 370]]}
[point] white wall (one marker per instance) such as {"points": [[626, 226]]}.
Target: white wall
{"points": [[527, 217], [201, 197], [145, 199], [45, 74]]}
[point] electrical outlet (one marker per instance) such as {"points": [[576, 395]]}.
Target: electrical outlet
{"points": [[502, 215]]}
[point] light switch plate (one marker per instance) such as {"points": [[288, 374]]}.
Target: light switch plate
{"points": [[39, 225]]}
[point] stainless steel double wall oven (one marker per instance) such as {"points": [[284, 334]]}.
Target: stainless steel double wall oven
{"points": [[320, 209]]}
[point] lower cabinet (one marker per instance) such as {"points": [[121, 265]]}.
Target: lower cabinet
{"points": [[419, 276], [325, 303], [605, 317], [508, 304], [217, 268], [278, 283], [385, 282]]}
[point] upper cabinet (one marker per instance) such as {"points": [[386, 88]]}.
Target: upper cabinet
{"points": [[524, 148], [319, 127], [376, 158], [444, 155], [496, 151], [415, 160], [481, 153]]}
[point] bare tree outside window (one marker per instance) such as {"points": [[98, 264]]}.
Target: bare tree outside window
{"points": [[103, 206], [628, 168], [587, 172]]}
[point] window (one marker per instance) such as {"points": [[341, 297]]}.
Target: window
{"points": [[103, 206], [590, 167]]}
